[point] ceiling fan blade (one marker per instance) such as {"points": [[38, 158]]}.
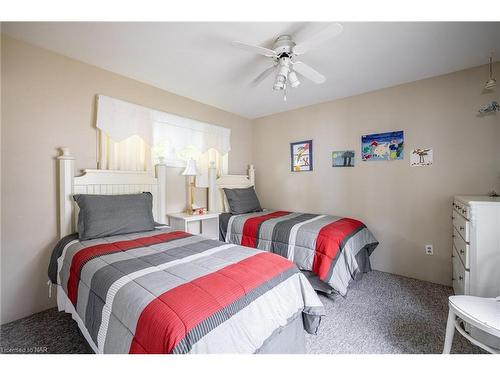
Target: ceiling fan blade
{"points": [[256, 49], [327, 32], [308, 72], [262, 76]]}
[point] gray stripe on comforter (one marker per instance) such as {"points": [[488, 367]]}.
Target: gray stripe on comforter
{"points": [[281, 233]]}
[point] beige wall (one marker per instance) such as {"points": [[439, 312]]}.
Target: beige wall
{"points": [[47, 102], [405, 207]]}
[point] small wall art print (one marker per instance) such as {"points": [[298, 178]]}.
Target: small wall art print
{"points": [[421, 157], [382, 146], [343, 158], [301, 155]]}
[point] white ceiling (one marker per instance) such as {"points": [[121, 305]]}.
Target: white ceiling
{"points": [[197, 60]]}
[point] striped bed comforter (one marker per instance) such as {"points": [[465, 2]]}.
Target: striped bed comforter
{"points": [[326, 245], [172, 292]]}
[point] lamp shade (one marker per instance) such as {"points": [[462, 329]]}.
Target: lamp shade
{"points": [[190, 168]]}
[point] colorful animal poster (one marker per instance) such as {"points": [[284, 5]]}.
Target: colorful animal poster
{"points": [[343, 158], [382, 146], [301, 156], [421, 157]]}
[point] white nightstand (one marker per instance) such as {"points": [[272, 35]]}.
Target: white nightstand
{"points": [[206, 225]]}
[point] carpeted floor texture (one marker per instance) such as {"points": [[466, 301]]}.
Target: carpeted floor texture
{"points": [[382, 313]]}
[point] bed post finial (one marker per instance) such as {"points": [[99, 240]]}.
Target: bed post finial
{"points": [[65, 152], [212, 190], [66, 169], [161, 175], [251, 174]]}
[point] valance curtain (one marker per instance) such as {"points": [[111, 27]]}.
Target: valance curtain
{"points": [[133, 137]]}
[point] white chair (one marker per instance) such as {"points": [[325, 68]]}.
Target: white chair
{"points": [[482, 313]]}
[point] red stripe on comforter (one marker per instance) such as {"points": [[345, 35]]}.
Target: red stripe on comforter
{"points": [[89, 253], [328, 244], [168, 318], [252, 225]]}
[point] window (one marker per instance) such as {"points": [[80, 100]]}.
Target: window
{"points": [[133, 137]]}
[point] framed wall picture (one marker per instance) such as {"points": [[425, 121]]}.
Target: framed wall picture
{"points": [[382, 146], [421, 157], [301, 156], [343, 158]]}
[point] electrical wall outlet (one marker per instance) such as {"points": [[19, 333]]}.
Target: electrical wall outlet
{"points": [[429, 250]]}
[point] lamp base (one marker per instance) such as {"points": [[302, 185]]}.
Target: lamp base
{"points": [[189, 209]]}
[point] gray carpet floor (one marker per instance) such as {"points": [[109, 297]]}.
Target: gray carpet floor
{"points": [[382, 313]]}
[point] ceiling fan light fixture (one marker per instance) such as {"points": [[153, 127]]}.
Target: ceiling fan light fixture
{"points": [[283, 52], [281, 76], [293, 79], [279, 83], [283, 71]]}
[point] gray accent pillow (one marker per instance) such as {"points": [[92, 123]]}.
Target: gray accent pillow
{"points": [[109, 215], [242, 201]]}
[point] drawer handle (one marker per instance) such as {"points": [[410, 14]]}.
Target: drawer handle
{"points": [[460, 278], [462, 228], [452, 279], [452, 236], [462, 251]]}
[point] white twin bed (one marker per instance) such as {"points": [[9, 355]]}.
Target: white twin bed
{"points": [[127, 292]]}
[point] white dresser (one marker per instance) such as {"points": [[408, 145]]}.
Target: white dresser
{"points": [[476, 248]]}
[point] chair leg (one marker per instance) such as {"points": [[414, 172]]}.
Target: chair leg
{"points": [[450, 332]]}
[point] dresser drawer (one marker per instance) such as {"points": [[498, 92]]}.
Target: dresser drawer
{"points": [[461, 224], [462, 209], [462, 248], [460, 275]]}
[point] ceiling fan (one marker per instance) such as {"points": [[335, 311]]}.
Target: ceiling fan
{"points": [[283, 53]]}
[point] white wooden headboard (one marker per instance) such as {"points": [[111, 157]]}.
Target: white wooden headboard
{"points": [[98, 181], [231, 181]]}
